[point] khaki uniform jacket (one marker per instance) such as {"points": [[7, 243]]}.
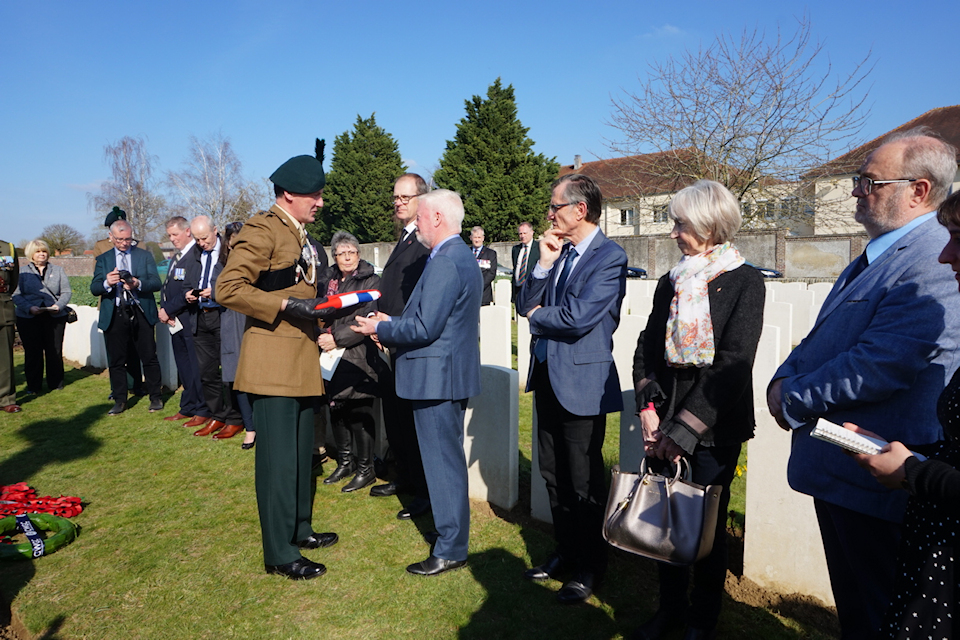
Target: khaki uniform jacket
{"points": [[279, 354], [9, 279]]}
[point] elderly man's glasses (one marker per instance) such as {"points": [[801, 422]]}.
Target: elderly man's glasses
{"points": [[403, 199], [866, 184]]}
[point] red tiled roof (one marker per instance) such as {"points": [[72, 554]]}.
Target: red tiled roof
{"points": [[627, 176], [943, 120]]}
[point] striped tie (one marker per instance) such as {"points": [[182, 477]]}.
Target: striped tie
{"points": [[522, 276]]}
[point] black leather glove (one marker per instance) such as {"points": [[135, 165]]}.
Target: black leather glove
{"points": [[299, 308]]}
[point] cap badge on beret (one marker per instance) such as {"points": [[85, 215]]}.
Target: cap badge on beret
{"points": [[115, 214]]}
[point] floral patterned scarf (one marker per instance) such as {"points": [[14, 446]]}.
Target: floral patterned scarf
{"points": [[689, 326]]}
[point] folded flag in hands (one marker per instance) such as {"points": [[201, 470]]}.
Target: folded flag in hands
{"points": [[342, 300]]}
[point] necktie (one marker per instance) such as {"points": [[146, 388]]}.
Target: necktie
{"points": [[204, 282], [476, 252], [567, 265], [403, 238], [522, 275], [859, 266], [124, 266]]}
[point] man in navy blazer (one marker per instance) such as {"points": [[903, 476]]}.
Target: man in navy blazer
{"points": [[438, 368], [881, 351], [572, 300], [128, 312], [181, 278]]}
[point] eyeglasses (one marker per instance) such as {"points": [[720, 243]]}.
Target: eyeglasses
{"points": [[349, 252], [866, 184], [123, 240], [556, 207], [404, 199]]}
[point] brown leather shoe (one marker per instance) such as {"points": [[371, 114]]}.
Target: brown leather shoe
{"points": [[177, 417], [211, 427], [196, 421], [228, 431]]}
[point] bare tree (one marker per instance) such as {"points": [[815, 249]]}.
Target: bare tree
{"points": [[758, 115], [212, 183], [131, 187], [62, 237]]}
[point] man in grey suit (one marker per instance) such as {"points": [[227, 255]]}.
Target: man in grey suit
{"points": [[438, 368], [572, 299], [881, 351]]}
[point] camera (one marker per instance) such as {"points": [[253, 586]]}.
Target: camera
{"points": [[127, 277]]}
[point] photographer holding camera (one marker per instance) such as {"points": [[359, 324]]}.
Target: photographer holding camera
{"points": [[126, 279]]}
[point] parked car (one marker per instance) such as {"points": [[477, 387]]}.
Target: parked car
{"points": [[636, 272], [765, 272]]}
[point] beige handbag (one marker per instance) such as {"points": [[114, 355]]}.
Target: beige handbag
{"points": [[667, 519]]}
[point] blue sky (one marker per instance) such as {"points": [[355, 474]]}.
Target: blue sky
{"points": [[76, 76]]}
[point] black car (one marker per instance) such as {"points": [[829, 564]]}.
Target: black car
{"points": [[636, 272], [765, 272]]}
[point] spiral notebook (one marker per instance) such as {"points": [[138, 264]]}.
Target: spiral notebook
{"points": [[849, 440]]}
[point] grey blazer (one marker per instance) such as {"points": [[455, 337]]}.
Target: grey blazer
{"points": [[31, 291], [879, 354]]}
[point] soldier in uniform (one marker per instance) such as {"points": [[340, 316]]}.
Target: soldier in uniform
{"points": [[271, 276], [9, 276]]}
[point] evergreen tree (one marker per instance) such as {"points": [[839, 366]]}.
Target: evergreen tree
{"points": [[359, 190], [492, 165]]}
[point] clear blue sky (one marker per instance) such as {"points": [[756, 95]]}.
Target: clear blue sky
{"points": [[272, 76]]}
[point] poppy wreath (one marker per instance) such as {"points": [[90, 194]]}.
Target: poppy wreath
{"points": [[63, 530], [20, 498]]}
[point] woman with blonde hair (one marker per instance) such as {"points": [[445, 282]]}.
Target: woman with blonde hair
{"points": [[41, 306], [692, 374]]}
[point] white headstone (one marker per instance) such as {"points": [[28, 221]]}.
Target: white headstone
{"points": [[491, 438], [780, 314], [495, 345], [523, 350]]}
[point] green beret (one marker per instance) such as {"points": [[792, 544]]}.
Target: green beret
{"points": [[301, 174], [115, 214]]}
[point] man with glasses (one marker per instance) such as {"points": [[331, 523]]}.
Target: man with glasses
{"points": [[400, 275], [572, 299], [879, 354], [126, 279]]}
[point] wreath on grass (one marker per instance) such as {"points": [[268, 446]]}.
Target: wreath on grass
{"points": [[63, 530]]}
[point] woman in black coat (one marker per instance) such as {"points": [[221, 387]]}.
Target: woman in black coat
{"points": [[693, 376], [355, 382]]}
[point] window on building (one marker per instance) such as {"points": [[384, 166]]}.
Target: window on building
{"points": [[660, 213], [626, 216]]}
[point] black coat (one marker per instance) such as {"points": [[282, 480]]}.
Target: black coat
{"points": [[358, 374], [720, 396], [401, 274]]}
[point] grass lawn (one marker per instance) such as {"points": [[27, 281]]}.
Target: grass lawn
{"points": [[170, 547]]}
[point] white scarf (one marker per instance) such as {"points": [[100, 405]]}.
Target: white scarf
{"points": [[689, 340]]}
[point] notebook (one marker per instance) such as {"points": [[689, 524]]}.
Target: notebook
{"points": [[849, 440]]}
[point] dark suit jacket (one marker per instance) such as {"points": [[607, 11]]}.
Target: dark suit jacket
{"points": [[437, 337], [401, 274], [489, 273], [532, 258], [182, 276], [579, 327], [144, 267]]}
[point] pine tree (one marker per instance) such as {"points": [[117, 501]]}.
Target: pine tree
{"points": [[357, 196], [492, 165]]}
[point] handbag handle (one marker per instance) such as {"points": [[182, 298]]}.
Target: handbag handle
{"points": [[682, 466]]}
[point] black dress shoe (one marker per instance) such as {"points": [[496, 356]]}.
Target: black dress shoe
{"points": [[318, 541], [693, 633], [549, 569], [434, 566], [156, 404], [579, 589], [418, 507], [362, 480], [299, 569], [342, 472], [381, 490], [118, 408], [662, 623]]}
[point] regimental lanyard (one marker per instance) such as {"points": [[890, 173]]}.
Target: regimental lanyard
{"points": [[308, 256]]}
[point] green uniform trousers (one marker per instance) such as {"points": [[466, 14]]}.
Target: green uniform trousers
{"points": [[284, 455]]}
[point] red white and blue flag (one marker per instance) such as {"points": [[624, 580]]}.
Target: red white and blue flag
{"points": [[343, 300]]}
